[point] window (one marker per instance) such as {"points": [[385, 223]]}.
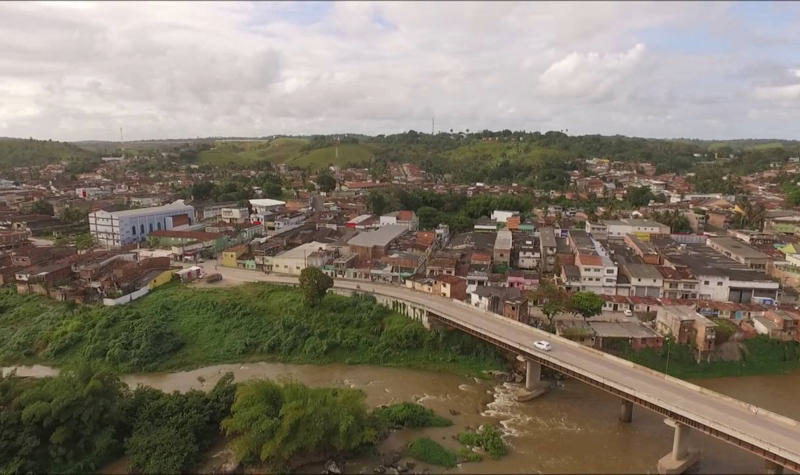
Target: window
{"points": [[141, 227], [158, 225], [705, 282], [151, 227], [719, 284], [133, 229]]}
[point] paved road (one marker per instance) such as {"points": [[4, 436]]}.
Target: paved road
{"points": [[766, 430]]}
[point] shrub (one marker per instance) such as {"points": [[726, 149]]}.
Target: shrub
{"points": [[407, 414], [428, 451]]}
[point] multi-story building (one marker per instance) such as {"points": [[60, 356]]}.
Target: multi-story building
{"points": [[502, 247], [547, 249], [120, 228], [688, 327], [619, 228]]}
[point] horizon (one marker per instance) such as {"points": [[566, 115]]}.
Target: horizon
{"points": [[716, 71]]}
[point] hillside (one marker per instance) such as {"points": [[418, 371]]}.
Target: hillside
{"points": [[289, 150], [29, 152]]}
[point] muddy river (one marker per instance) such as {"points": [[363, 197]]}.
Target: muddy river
{"points": [[573, 428]]}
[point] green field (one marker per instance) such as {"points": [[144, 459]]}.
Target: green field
{"points": [[285, 150]]}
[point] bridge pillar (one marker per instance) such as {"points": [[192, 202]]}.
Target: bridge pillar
{"points": [[772, 468], [533, 374], [681, 457], [625, 411]]}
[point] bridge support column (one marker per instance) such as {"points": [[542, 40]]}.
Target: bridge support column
{"points": [[772, 468], [533, 374], [681, 457], [625, 411]]}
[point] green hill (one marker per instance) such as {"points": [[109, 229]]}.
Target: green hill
{"points": [[30, 152], [289, 150]]}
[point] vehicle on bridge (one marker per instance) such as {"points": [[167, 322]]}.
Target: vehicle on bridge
{"points": [[542, 345]]}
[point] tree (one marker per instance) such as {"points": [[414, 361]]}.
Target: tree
{"points": [[640, 196], [554, 299], [377, 202], [273, 423], [84, 241], [326, 182], [202, 191], [587, 304], [315, 285], [42, 207]]}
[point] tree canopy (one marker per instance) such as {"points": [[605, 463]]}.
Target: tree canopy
{"points": [[314, 284]]}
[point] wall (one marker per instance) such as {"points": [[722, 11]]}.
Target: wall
{"points": [[127, 298]]}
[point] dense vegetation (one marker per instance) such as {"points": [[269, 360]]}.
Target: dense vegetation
{"points": [[83, 418], [760, 355], [180, 327], [456, 210]]}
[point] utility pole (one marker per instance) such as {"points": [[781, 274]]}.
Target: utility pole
{"points": [[432, 126]]}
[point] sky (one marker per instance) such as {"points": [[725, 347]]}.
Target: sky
{"points": [[80, 71]]}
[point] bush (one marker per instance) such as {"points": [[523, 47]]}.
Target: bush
{"points": [[428, 451], [407, 414], [488, 438]]}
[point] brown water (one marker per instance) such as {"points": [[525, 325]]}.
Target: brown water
{"points": [[574, 428]]}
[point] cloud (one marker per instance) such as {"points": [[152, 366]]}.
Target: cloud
{"points": [[83, 70], [592, 75]]}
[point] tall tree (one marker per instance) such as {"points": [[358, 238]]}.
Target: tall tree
{"points": [[587, 304], [315, 285]]}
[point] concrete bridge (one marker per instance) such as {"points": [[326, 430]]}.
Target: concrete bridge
{"points": [[685, 406]]}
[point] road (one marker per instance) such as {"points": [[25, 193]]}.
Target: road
{"points": [[763, 429]]}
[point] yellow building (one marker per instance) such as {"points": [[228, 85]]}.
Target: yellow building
{"points": [[160, 279], [230, 255]]}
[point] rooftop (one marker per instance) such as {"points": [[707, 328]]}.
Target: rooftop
{"points": [[380, 237], [177, 205]]}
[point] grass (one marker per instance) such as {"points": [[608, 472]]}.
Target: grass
{"points": [[285, 150], [349, 154], [278, 150], [429, 451], [177, 327]]}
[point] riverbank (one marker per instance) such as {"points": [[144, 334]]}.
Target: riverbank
{"points": [[178, 327]]}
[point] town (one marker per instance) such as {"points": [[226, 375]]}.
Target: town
{"points": [[701, 268]]}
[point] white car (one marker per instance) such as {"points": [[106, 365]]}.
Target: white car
{"points": [[628, 313], [542, 345]]}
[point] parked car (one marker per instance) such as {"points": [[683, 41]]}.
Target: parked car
{"points": [[542, 345], [628, 313]]}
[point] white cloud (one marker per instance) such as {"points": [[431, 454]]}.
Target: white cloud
{"points": [[79, 71], [591, 75]]}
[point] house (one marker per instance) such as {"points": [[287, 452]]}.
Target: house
{"points": [[522, 280], [485, 223], [501, 300], [500, 216], [526, 251], [231, 255], [234, 215], [450, 286], [404, 217], [373, 244], [687, 327], [502, 248], [189, 274], [778, 324], [293, 261], [642, 228], [607, 335], [645, 280]]}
